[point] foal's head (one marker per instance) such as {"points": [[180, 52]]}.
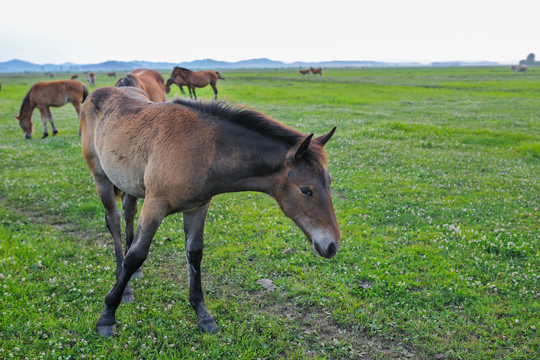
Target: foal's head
{"points": [[304, 194], [25, 117]]}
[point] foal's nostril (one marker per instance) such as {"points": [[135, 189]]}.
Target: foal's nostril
{"points": [[331, 250]]}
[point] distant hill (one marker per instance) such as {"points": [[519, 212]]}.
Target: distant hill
{"points": [[15, 65]]}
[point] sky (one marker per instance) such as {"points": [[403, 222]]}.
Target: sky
{"points": [[87, 32]]}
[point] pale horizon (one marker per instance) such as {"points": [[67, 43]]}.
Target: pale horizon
{"points": [[288, 31]]}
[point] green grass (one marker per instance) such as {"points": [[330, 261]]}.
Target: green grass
{"points": [[435, 181]]}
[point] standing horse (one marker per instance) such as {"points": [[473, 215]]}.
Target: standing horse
{"points": [[304, 72], [193, 152], [316, 71], [111, 74], [91, 78], [195, 79], [43, 95], [74, 76], [149, 81], [519, 68]]}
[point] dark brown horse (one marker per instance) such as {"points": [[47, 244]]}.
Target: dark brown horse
{"points": [[304, 72], [74, 76], [91, 78], [315, 71], [149, 81], [178, 155], [111, 74], [194, 80], [43, 95]]}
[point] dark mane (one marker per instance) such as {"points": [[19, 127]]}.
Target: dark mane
{"points": [[181, 68], [26, 100], [257, 122], [127, 80]]}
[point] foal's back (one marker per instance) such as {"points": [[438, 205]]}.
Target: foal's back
{"points": [[141, 145]]}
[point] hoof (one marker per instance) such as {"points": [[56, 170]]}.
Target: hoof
{"points": [[55, 132], [209, 326], [127, 298], [137, 274], [106, 330], [44, 135]]}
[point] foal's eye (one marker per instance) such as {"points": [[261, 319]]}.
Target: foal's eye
{"points": [[306, 190]]}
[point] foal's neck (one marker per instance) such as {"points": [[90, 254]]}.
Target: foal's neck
{"points": [[248, 162]]}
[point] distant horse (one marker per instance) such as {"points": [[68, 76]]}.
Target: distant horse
{"points": [[51, 75], [149, 81], [316, 71], [304, 72], [195, 79], [74, 76], [111, 74], [43, 95], [91, 78], [519, 68], [178, 155]]}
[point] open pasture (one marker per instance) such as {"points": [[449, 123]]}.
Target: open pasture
{"points": [[435, 187]]}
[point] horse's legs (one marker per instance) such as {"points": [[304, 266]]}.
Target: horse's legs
{"points": [[113, 219], [182, 90], [44, 117], [192, 89], [152, 214], [77, 107], [49, 116], [194, 229], [129, 206], [215, 90]]}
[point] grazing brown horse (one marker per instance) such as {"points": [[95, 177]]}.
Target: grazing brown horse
{"points": [[192, 79], [111, 74], [74, 76], [91, 78], [178, 81], [519, 68], [178, 155], [43, 95], [316, 71], [304, 72], [149, 81]]}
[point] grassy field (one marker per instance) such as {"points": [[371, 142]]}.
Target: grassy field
{"points": [[435, 185]]}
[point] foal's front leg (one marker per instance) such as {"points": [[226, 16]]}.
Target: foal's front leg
{"points": [[44, 118], [152, 215], [194, 229]]}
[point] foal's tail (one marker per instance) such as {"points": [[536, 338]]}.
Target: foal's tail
{"points": [[219, 76], [117, 193], [85, 93]]}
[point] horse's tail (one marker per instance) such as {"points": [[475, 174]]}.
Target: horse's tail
{"points": [[85, 92], [117, 193], [219, 76]]}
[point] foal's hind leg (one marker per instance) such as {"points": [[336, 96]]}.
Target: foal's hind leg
{"points": [[129, 207], [152, 214], [113, 219], [194, 229]]}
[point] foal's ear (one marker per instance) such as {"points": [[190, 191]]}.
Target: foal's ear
{"points": [[323, 139], [296, 152]]}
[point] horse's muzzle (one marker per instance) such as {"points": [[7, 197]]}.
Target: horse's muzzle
{"points": [[27, 135], [326, 250]]}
